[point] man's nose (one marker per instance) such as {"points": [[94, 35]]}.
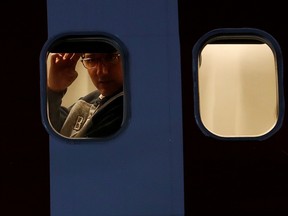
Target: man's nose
{"points": [[101, 68]]}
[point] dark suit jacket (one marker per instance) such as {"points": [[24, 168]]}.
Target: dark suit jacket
{"points": [[105, 122]]}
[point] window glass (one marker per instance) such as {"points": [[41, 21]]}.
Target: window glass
{"points": [[85, 86], [238, 89]]}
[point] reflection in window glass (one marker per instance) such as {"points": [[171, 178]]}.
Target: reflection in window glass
{"points": [[85, 89]]}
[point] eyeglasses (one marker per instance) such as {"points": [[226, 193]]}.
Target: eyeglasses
{"points": [[107, 59]]}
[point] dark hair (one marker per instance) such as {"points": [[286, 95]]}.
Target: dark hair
{"points": [[84, 46]]}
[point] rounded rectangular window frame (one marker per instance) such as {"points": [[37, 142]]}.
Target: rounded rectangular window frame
{"points": [[236, 36], [79, 42]]}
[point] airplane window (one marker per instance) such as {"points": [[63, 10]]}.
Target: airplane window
{"points": [[238, 84], [86, 87]]}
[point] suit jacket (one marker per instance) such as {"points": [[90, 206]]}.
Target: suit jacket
{"points": [[86, 118]]}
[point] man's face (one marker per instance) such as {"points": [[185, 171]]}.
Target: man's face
{"points": [[105, 70]]}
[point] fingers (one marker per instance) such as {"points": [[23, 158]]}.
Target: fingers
{"points": [[62, 71], [73, 57]]}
